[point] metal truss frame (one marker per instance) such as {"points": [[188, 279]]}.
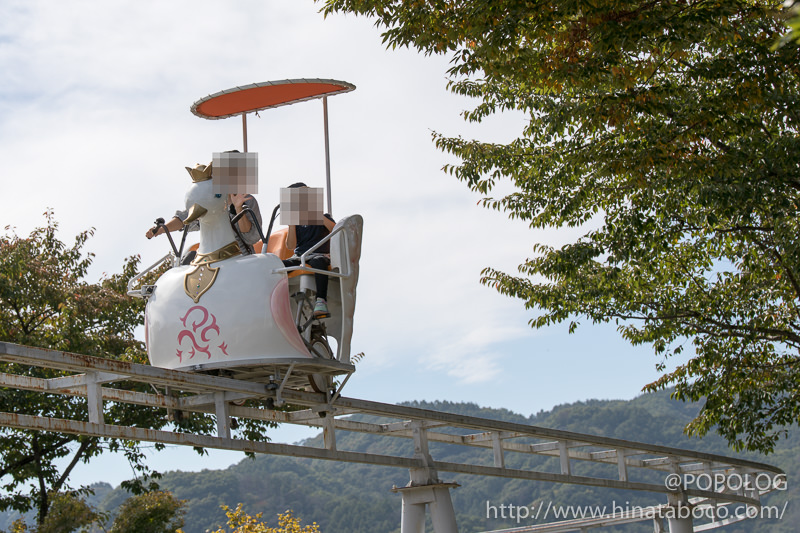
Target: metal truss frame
{"points": [[84, 376]]}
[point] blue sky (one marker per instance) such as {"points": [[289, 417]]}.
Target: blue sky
{"points": [[95, 123]]}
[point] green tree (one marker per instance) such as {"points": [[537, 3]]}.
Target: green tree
{"points": [[68, 512], [151, 512], [668, 132], [45, 302], [241, 522], [793, 22]]}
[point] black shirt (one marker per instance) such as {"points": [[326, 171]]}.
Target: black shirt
{"points": [[308, 236]]}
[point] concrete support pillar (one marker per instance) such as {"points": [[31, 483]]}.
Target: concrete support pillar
{"points": [[680, 517], [413, 518], [436, 498], [442, 513], [426, 490]]}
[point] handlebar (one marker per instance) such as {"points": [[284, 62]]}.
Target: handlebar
{"points": [[253, 220], [271, 222], [159, 223]]}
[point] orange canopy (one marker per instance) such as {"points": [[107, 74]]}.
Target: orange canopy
{"points": [[265, 95]]}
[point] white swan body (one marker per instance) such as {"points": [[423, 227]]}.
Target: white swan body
{"points": [[224, 312]]}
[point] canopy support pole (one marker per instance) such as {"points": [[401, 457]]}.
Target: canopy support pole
{"points": [[244, 130], [327, 152]]}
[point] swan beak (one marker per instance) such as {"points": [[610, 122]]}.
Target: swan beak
{"points": [[195, 212]]}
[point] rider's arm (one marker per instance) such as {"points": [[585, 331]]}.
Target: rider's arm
{"points": [[249, 230], [291, 238], [328, 221], [173, 225], [244, 223], [238, 200]]}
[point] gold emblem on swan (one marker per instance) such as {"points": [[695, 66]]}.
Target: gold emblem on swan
{"points": [[197, 281]]}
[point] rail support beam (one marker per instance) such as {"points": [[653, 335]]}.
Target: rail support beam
{"points": [[94, 398], [223, 416], [329, 431]]}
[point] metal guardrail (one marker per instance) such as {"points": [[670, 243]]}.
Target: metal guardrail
{"points": [[139, 292]]}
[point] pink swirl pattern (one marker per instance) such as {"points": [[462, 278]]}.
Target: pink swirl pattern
{"points": [[201, 316]]}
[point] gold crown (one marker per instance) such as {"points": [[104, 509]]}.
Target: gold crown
{"points": [[200, 172]]}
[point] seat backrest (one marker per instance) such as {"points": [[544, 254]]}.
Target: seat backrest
{"points": [[277, 244], [345, 255]]}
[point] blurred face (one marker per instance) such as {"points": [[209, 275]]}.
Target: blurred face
{"points": [[235, 173], [301, 206]]}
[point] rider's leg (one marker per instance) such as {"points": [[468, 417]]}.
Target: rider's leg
{"points": [[320, 262]]}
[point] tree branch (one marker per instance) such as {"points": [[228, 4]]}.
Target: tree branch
{"points": [[78, 455], [29, 459], [728, 330], [779, 260], [43, 503]]}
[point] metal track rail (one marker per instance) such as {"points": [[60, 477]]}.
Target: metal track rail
{"points": [[85, 376]]}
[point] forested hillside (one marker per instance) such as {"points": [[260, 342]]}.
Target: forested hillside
{"points": [[351, 498]]}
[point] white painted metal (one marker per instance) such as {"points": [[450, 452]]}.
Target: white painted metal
{"points": [[140, 291], [329, 433], [497, 447], [223, 418], [327, 152], [563, 453], [244, 132], [94, 399], [213, 395], [623, 468]]}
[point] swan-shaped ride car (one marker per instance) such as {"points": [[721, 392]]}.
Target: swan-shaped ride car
{"points": [[249, 316]]}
